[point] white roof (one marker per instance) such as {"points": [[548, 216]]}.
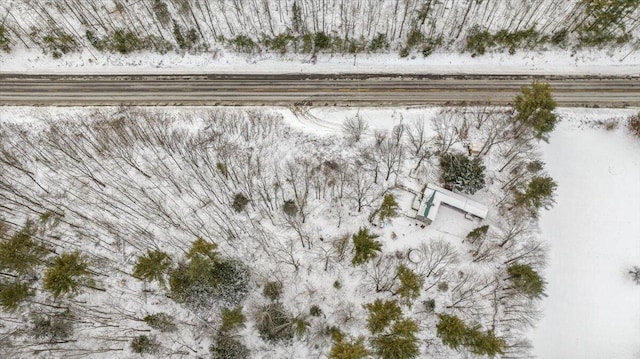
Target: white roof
{"points": [[434, 196]]}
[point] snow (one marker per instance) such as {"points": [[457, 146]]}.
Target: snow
{"points": [[593, 308], [620, 61]]}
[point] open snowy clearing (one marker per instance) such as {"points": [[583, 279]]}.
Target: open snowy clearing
{"points": [[593, 308], [621, 61]]}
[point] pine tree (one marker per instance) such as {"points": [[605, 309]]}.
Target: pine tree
{"points": [[526, 280], [365, 246], [399, 343], [144, 344], [388, 208], [462, 174], [477, 233], [13, 294], [152, 266], [67, 272], [535, 110], [483, 343], [381, 314], [342, 349], [539, 193], [20, 253], [410, 283], [232, 319], [162, 322], [451, 330]]}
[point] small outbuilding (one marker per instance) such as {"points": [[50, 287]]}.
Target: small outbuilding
{"points": [[434, 196]]}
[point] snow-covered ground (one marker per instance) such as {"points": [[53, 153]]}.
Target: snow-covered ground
{"points": [[593, 308], [621, 61]]}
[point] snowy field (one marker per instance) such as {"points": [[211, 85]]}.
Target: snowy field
{"points": [[621, 61], [593, 309]]}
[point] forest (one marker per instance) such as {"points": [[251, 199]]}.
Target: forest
{"points": [[226, 233], [407, 27]]}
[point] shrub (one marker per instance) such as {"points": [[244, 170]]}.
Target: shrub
{"points": [[243, 44], [379, 42], [321, 41], [272, 290], [5, 43], [315, 311], [59, 44], [274, 323], [226, 347], [633, 124], [240, 202], [54, 327], [342, 349], [143, 344], [206, 278], [443, 286], [634, 273], [162, 322], [290, 208]]}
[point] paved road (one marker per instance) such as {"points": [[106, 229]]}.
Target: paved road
{"points": [[291, 89]]}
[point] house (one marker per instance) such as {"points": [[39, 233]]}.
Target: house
{"points": [[434, 196]]}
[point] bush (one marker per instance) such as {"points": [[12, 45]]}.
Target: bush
{"points": [[633, 124], [272, 290], [143, 344], [240, 202], [315, 311], [226, 347], [321, 41], [206, 278], [290, 208], [479, 41], [162, 322], [274, 323], [379, 42], [124, 42], [5, 43], [635, 274], [443, 286], [243, 44], [53, 328], [59, 44]]}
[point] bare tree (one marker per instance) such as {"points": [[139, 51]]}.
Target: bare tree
{"points": [[354, 128]]}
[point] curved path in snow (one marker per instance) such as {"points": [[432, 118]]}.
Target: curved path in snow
{"points": [[301, 89]]}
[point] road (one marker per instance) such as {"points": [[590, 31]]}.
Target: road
{"points": [[300, 89]]}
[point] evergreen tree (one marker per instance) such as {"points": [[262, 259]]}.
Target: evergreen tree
{"points": [[400, 342], [526, 280], [67, 272], [13, 294], [239, 202], [451, 330], [20, 253], [232, 319], [381, 314], [388, 208], [152, 266], [365, 246], [342, 349], [410, 283], [534, 108], [144, 344], [539, 193], [55, 327], [483, 343], [477, 233], [227, 347], [462, 174], [162, 322]]}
